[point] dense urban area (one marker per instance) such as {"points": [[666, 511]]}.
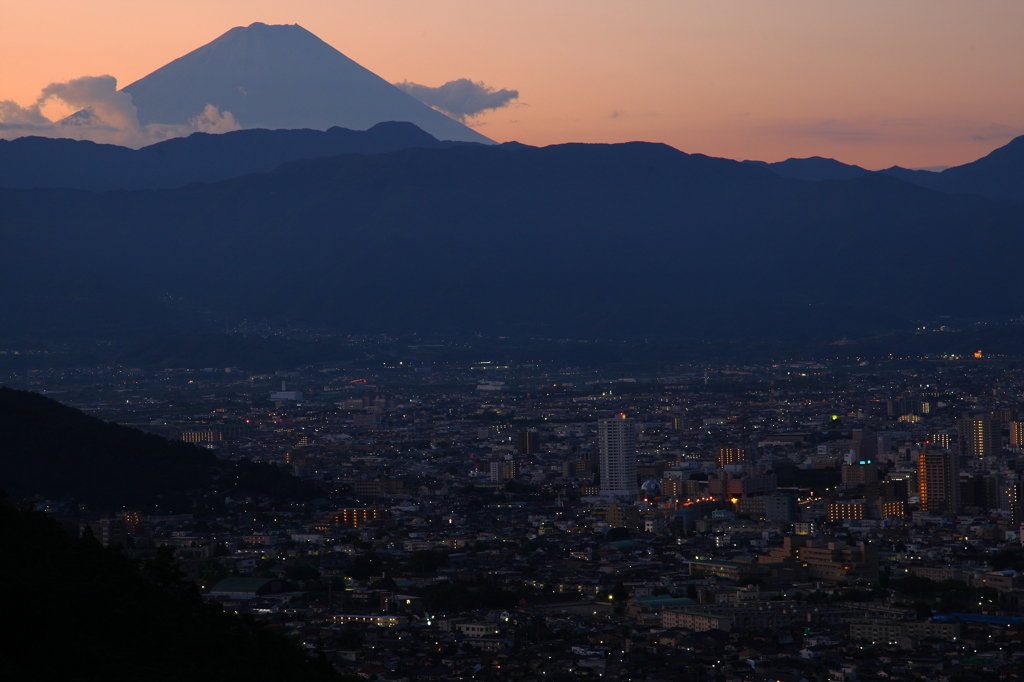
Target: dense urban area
{"points": [[800, 521]]}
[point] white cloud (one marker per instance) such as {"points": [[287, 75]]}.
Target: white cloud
{"points": [[13, 114], [103, 114], [213, 120], [460, 99]]}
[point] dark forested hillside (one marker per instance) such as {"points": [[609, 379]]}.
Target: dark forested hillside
{"points": [[50, 449], [78, 611]]}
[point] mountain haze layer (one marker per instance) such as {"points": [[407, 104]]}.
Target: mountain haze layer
{"points": [[281, 77]]}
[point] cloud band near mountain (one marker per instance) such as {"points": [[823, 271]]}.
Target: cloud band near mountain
{"points": [[462, 98], [103, 114]]}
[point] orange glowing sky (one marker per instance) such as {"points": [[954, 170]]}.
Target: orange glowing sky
{"points": [[877, 83]]}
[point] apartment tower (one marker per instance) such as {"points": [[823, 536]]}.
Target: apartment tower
{"points": [[981, 438], [938, 482], [616, 451]]}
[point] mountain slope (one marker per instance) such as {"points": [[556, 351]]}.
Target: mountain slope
{"points": [[281, 77], [57, 451], [53, 162], [583, 241], [998, 175]]}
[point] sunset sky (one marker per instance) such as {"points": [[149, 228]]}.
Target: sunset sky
{"points": [[916, 83]]}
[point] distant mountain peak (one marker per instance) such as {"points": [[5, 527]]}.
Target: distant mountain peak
{"points": [[281, 76], [813, 168]]}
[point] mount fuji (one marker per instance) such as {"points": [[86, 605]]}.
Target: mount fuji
{"points": [[281, 76]]}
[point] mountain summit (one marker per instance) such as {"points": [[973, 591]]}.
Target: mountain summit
{"points": [[281, 77]]}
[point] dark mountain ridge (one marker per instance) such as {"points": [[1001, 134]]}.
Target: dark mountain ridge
{"points": [[615, 241], [29, 162], [813, 168], [998, 175]]}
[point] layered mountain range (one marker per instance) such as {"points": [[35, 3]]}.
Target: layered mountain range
{"points": [[28, 162], [631, 240]]}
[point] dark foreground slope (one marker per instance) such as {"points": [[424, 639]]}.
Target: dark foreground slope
{"points": [[631, 240], [79, 164], [57, 451], [77, 611]]}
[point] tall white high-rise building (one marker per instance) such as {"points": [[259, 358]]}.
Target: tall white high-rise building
{"points": [[616, 450]]}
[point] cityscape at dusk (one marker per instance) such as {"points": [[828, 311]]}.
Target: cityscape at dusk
{"points": [[538, 341]]}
